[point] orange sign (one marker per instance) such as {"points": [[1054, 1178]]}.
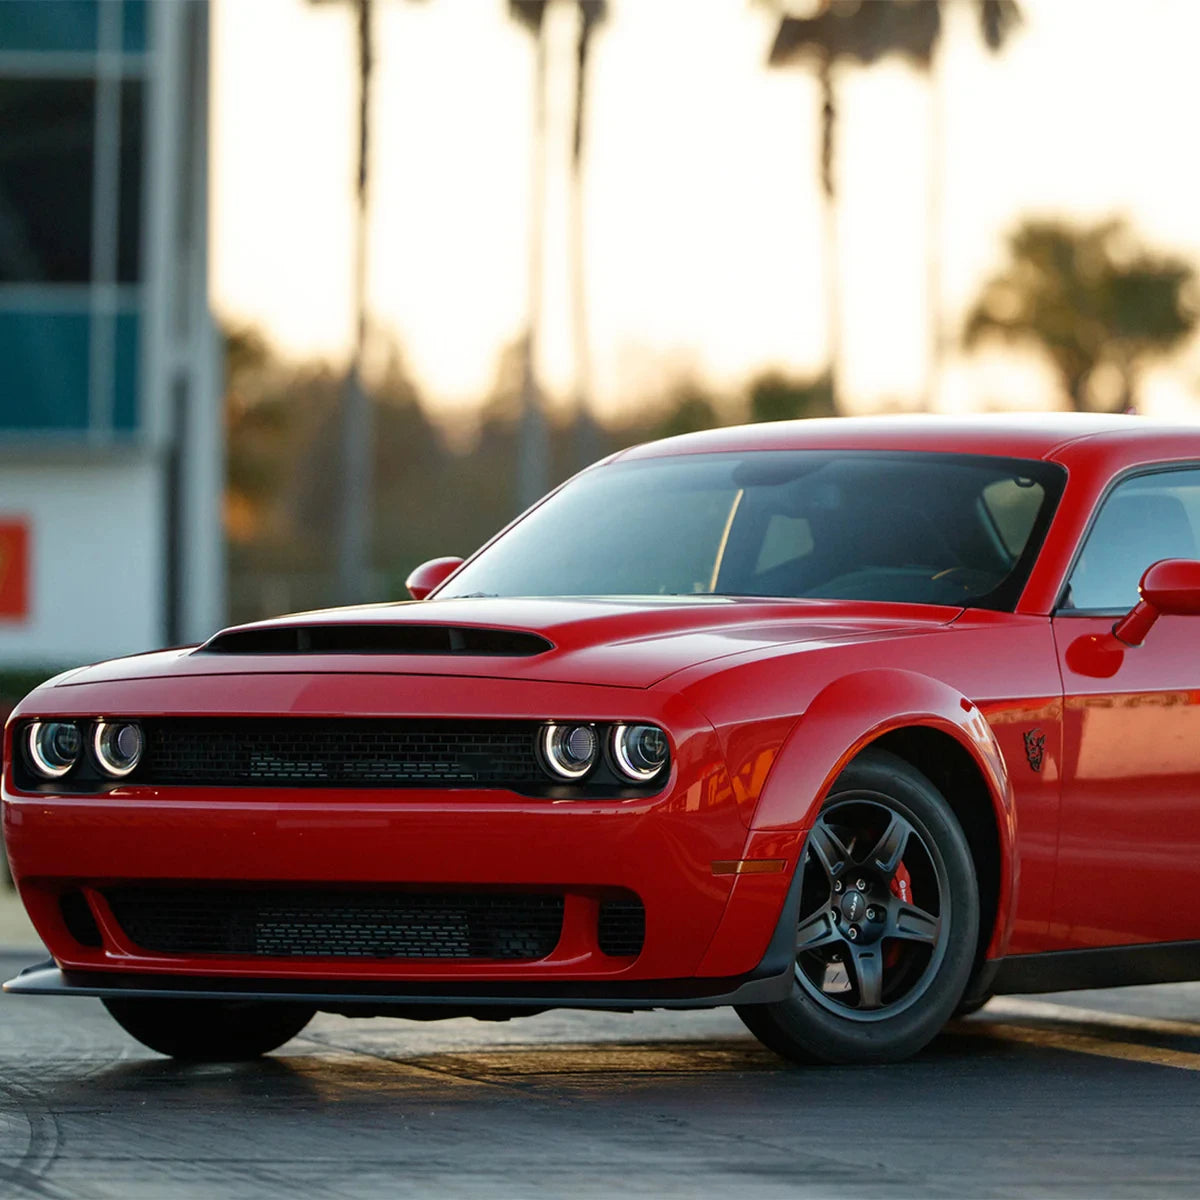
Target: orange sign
{"points": [[14, 569]]}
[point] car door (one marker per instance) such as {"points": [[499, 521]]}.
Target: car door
{"points": [[1129, 837]]}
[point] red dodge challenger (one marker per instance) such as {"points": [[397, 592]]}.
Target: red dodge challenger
{"points": [[850, 724]]}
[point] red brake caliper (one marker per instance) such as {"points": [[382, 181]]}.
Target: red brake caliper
{"points": [[901, 886]]}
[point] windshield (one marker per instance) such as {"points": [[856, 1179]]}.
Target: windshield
{"points": [[920, 528]]}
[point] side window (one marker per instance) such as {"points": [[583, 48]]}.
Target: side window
{"points": [[1013, 506], [1143, 520]]}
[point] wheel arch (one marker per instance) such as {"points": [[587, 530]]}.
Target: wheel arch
{"points": [[940, 733]]}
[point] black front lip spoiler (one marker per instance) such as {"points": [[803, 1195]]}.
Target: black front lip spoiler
{"points": [[46, 979]]}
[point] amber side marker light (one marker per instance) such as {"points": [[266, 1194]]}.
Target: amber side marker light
{"points": [[749, 866]]}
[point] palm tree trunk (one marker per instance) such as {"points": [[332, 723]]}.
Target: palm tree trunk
{"points": [[587, 447], [833, 289], [533, 452], [355, 518], [934, 219]]}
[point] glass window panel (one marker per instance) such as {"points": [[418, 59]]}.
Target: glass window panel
{"points": [[48, 25], [129, 248], [44, 366], [1144, 520], [47, 134], [134, 27], [838, 524]]}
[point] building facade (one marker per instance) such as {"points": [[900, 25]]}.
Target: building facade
{"points": [[111, 429]]}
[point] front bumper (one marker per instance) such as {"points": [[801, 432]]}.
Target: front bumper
{"points": [[707, 932]]}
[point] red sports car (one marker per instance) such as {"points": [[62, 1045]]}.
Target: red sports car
{"points": [[849, 724]]}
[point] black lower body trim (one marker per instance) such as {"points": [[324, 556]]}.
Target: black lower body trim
{"points": [[45, 979], [1108, 966]]}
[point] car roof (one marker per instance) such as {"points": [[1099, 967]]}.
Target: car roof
{"points": [[1013, 435]]}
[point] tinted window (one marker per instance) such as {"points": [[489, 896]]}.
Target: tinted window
{"points": [[129, 225], [920, 528], [1143, 520], [47, 140]]}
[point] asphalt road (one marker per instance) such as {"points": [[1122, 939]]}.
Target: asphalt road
{"points": [[1089, 1094]]}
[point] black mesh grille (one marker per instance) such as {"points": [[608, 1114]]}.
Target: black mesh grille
{"points": [[622, 927], [313, 923], [336, 752]]}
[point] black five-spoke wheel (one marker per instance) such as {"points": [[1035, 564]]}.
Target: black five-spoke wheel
{"points": [[887, 925], [864, 947]]}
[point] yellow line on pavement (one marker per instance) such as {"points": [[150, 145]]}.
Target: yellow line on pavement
{"points": [[1045, 1010], [1079, 1043]]}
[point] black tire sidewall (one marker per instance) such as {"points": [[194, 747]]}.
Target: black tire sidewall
{"points": [[802, 1029], [209, 1030]]}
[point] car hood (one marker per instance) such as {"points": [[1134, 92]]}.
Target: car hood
{"points": [[614, 641]]}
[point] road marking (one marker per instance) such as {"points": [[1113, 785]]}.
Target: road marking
{"points": [[1042, 1035], [1011, 1006]]}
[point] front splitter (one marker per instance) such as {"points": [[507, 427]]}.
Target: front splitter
{"points": [[47, 979]]}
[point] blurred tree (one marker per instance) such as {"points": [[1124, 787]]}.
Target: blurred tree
{"points": [[1097, 303], [354, 433], [533, 444], [590, 14], [775, 397], [856, 33]]}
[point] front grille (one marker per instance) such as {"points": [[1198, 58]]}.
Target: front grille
{"points": [[622, 929], [338, 752], [287, 923]]}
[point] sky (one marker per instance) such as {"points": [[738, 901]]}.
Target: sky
{"points": [[704, 229]]}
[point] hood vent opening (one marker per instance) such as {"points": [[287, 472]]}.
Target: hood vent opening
{"points": [[378, 639]]}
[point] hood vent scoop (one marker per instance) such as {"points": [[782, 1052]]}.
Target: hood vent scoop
{"points": [[378, 639]]}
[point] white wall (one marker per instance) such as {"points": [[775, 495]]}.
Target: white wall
{"points": [[97, 571]]}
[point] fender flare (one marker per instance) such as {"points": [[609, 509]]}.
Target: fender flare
{"points": [[854, 711]]}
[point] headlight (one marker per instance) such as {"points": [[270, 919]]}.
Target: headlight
{"points": [[569, 751], [117, 746], [53, 747], [640, 752]]}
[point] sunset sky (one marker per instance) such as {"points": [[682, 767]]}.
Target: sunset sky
{"points": [[702, 204]]}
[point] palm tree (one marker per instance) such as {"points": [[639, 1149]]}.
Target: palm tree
{"points": [[533, 453], [1093, 300], [354, 542], [591, 14], [852, 32], [354, 539]]}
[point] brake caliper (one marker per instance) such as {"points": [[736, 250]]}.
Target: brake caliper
{"points": [[901, 888]]}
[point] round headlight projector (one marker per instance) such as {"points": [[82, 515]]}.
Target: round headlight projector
{"points": [[639, 751], [633, 753], [117, 746], [53, 747], [570, 751]]}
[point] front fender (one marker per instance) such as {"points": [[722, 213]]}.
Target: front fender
{"points": [[851, 713]]}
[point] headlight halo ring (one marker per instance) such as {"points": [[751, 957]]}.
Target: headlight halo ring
{"points": [[35, 749], [626, 753], [116, 760], [559, 758]]}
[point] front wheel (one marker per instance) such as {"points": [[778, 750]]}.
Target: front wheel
{"points": [[210, 1030], [888, 922]]}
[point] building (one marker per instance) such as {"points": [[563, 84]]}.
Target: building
{"points": [[111, 455]]}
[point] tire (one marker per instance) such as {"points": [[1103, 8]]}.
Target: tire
{"points": [[880, 967], [967, 1007], [210, 1030]]}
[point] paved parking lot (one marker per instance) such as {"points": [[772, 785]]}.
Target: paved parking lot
{"points": [[1087, 1094]]}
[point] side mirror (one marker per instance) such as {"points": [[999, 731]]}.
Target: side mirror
{"points": [[429, 574], [1171, 586]]}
